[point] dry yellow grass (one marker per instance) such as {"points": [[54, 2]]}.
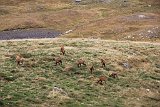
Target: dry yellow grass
{"points": [[117, 20]]}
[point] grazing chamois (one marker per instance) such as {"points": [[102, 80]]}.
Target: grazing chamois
{"points": [[80, 62], [62, 50], [103, 63], [113, 75], [101, 80], [19, 59], [58, 60], [91, 69]]}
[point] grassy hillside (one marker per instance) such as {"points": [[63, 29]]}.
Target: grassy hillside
{"points": [[39, 83], [118, 20]]}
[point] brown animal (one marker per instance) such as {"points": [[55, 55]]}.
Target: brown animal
{"points": [[81, 62], [101, 80], [58, 60], [19, 59], [103, 62], [91, 69], [113, 75], [62, 50]]}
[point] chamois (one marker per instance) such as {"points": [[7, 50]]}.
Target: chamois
{"points": [[19, 59], [58, 60], [113, 75], [103, 62], [80, 62], [101, 80], [91, 69], [62, 50]]}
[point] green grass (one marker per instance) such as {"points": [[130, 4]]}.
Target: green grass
{"points": [[31, 83]]}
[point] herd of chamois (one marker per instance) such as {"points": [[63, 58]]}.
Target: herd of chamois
{"points": [[80, 62]]}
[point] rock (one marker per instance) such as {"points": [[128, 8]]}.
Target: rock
{"points": [[56, 91], [141, 16], [77, 0], [126, 65], [59, 93]]}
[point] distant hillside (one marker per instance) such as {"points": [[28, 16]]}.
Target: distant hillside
{"points": [[107, 19]]}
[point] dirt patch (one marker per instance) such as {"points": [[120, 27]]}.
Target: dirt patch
{"points": [[140, 16]]}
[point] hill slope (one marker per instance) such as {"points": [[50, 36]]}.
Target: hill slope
{"points": [[38, 82], [110, 19]]}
